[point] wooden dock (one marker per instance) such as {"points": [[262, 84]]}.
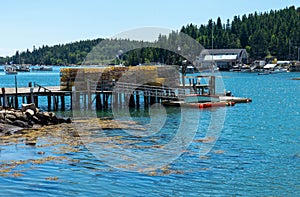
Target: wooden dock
{"points": [[83, 91], [12, 97], [119, 94]]}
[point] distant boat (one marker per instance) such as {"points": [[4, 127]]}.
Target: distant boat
{"points": [[43, 68], [236, 68], [23, 68], [264, 73], [275, 71], [279, 70], [10, 70]]}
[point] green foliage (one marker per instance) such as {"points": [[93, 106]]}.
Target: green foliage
{"points": [[63, 54], [275, 32]]}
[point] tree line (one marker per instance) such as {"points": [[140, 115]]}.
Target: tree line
{"points": [[274, 33]]}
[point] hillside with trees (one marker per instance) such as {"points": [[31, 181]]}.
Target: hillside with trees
{"points": [[274, 33], [62, 54]]}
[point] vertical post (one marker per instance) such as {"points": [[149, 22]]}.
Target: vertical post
{"points": [[120, 98], [36, 101], [49, 103], [63, 106], [212, 85], [183, 72], [107, 98], [98, 102], [152, 100], [145, 99], [89, 94], [75, 100], [131, 101], [16, 96], [10, 101], [54, 103], [71, 101], [114, 99], [137, 99], [31, 94], [84, 100], [4, 97]]}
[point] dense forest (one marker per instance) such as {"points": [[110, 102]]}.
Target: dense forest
{"points": [[274, 33], [63, 54]]}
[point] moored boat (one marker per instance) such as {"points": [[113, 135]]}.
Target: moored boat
{"points": [[208, 104], [23, 68], [10, 70], [43, 68], [200, 101]]}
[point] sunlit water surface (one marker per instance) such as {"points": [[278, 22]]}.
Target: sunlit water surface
{"points": [[257, 153]]}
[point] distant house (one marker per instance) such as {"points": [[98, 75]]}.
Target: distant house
{"points": [[224, 58]]}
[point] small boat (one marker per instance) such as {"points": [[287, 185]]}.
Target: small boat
{"points": [[43, 68], [236, 68], [200, 101], [208, 104], [199, 98], [279, 70], [264, 73], [10, 70], [23, 68]]}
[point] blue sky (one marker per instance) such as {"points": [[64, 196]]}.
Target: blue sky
{"points": [[25, 23]]}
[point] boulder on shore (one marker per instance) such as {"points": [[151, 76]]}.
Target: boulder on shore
{"points": [[27, 117]]}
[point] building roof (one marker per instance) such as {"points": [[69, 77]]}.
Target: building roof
{"points": [[225, 51], [219, 57]]}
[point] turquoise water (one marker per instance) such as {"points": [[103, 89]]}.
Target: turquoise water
{"points": [[23, 78], [257, 153]]}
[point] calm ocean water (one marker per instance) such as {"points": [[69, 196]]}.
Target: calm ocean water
{"points": [[257, 153]]}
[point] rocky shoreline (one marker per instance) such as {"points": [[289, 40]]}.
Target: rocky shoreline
{"points": [[12, 120]]}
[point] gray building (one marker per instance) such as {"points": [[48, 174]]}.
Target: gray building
{"points": [[224, 58]]}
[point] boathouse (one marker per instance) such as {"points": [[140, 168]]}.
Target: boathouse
{"points": [[224, 58]]}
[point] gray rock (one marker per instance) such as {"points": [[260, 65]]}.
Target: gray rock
{"points": [[8, 121], [36, 120], [2, 121], [54, 120], [20, 116], [31, 106], [20, 123], [8, 129], [11, 117], [30, 111]]}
